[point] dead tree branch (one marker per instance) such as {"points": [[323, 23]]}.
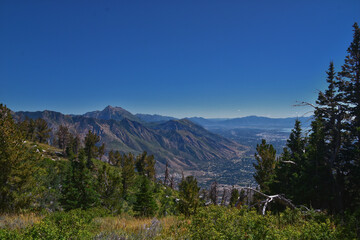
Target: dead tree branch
{"points": [[270, 198]]}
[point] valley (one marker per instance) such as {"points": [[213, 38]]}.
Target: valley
{"points": [[209, 149]]}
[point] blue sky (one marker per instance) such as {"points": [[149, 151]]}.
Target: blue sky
{"points": [[177, 58]]}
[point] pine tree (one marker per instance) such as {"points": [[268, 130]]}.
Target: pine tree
{"points": [[266, 160], [91, 150], [111, 158], [79, 187], [17, 166], [42, 130], [101, 151], [63, 137], [109, 187], [291, 169], [234, 197], [28, 129], [317, 179], [150, 167], [331, 113], [166, 177], [117, 158], [189, 196], [145, 205], [350, 152], [128, 173], [145, 165], [140, 163]]}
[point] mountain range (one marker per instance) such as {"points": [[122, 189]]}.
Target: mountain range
{"points": [[186, 144]]}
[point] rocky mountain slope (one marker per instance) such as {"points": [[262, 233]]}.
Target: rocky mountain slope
{"points": [[185, 145]]}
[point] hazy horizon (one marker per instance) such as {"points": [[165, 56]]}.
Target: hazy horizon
{"points": [[192, 58], [150, 113]]}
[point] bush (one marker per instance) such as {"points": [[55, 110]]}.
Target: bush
{"points": [[216, 222], [75, 224]]}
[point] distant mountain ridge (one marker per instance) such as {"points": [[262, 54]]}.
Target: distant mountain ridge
{"points": [[151, 118], [251, 122], [185, 145]]}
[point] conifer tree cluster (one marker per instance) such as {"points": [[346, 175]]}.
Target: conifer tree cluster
{"points": [[322, 170], [79, 179]]}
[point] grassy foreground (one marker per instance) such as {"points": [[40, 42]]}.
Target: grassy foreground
{"points": [[213, 222]]}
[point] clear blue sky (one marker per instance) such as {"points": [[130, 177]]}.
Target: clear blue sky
{"points": [[178, 58]]}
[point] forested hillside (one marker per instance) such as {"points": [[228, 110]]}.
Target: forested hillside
{"points": [[185, 146]]}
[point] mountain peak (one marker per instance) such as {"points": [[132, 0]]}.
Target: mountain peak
{"points": [[110, 112], [109, 107]]}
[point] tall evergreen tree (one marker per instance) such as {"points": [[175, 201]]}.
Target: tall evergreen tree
{"points": [[145, 165], [166, 175], [17, 166], [316, 178], [63, 137], [91, 150], [109, 186], [265, 166], [74, 145], [331, 112], [189, 196], [101, 151], [111, 158], [128, 173], [42, 130], [145, 204], [79, 187], [28, 129], [234, 197], [350, 79], [117, 158]]}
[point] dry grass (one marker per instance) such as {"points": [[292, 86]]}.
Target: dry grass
{"points": [[19, 221], [169, 228]]}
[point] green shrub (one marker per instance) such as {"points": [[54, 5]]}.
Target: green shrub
{"points": [[75, 224], [216, 222]]}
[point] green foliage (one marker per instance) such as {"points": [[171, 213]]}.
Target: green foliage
{"points": [[79, 190], [145, 205], [42, 130], [91, 150], [63, 137], [109, 186], [234, 197], [75, 224], [17, 163], [49, 176], [230, 223], [128, 170], [167, 201], [28, 129], [322, 170], [145, 165], [101, 151], [189, 196], [265, 166], [290, 169], [74, 145]]}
